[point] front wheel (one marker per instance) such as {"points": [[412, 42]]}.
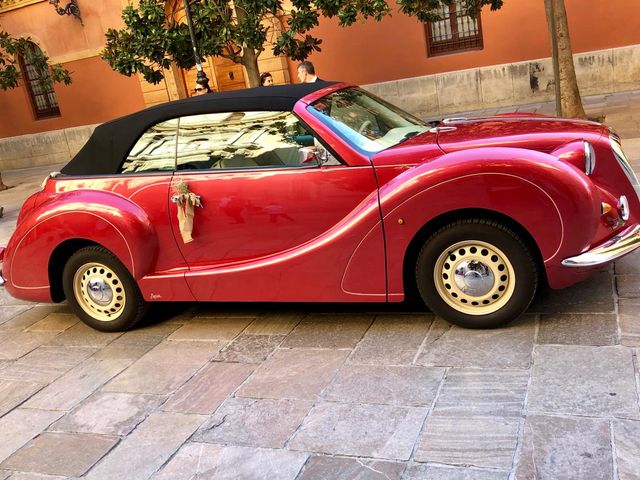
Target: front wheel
{"points": [[101, 291], [476, 274]]}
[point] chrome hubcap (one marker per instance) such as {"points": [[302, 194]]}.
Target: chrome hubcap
{"points": [[99, 292], [474, 277]]}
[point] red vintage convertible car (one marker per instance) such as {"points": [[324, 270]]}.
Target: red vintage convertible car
{"points": [[323, 193]]}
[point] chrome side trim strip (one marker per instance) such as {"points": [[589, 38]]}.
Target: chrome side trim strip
{"points": [[621, 244]]}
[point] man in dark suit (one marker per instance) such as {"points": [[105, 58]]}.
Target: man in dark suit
{"points": [[307, 72]]}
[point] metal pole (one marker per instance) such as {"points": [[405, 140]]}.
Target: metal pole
{"points": [[201, 77]]}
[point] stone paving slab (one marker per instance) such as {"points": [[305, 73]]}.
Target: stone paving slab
{"points": [[629, 264], [81, 335], [178, 364], [323, 468], [203, 461], [250, 348], [46, 364], [379, 431], [324, 331], [286, 374], [9, 312], [254, 423], [60, 454], [108, 413], [14, 393], [409, 386], [149, 446], [77, 384], [628, 286], [594, 295], [205, 392], [20, 426], [626, 435], [21, 343], [469, 441], [507, 347], [211, 329], [149, 378], [593, 381], [629, 313], [475, 392], [428, 472], [570, 448], [32, 476], [275, 323], [392, 340], [579, 329], [26, 318], [54, 322]]}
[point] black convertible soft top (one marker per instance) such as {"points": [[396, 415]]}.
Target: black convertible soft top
{"points": [[110, 142]]}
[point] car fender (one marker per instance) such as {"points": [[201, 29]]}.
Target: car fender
{"points": [[100, 217], [553, 201]]}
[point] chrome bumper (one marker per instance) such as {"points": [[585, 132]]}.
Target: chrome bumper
{"points": [[625, 242]]}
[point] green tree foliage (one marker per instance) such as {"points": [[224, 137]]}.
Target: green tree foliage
{"points": [[151, 39]]}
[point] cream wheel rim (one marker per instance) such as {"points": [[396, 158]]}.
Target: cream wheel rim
{"points": [[99, 292], [474, 277]]}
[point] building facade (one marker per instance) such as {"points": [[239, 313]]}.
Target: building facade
{"points": [[456, 64]]}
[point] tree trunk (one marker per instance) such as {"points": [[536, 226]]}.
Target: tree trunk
{"points": [[250, 63], [249, 56], [570, 104]]}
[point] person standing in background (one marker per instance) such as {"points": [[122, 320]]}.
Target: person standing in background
{"points": [[307, 72], [266, 79]]}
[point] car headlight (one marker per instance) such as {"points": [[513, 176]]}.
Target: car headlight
{"points": [[624, 162], [589, 158]]}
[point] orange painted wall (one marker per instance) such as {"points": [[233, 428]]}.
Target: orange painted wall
{"points": [[97, 93], [396, 47], [61, 35]]}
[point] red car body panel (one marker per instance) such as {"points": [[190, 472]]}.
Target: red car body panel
{"points": [[330, 233], [284, 234]]}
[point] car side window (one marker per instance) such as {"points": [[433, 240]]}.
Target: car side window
{"points": [[243, 140], [154, 151]]}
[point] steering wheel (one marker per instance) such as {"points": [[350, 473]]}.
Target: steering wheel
{"points": [[364, 125]]}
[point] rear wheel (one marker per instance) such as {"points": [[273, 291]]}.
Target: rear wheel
{"points": [[101, 291], [476, 274]]}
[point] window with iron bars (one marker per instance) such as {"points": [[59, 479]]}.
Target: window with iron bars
{"points": [[456, 31], [43, 97]]}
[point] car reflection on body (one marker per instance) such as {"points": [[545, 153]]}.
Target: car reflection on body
{"points": [[323, 193]]}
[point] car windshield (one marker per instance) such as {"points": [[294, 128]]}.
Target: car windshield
{"points": [[366, 122]]}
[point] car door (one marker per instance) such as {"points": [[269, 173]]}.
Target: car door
{"points": [[145, 179], [275, 223]]}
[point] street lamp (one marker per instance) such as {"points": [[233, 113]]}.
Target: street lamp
{"points": [[70, 8], [201, 77]]}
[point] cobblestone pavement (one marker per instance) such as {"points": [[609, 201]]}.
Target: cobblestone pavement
{"points": [[328, 391]]}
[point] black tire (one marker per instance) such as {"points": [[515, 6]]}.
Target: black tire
{"points": [[115, 304], [476, 273]]}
